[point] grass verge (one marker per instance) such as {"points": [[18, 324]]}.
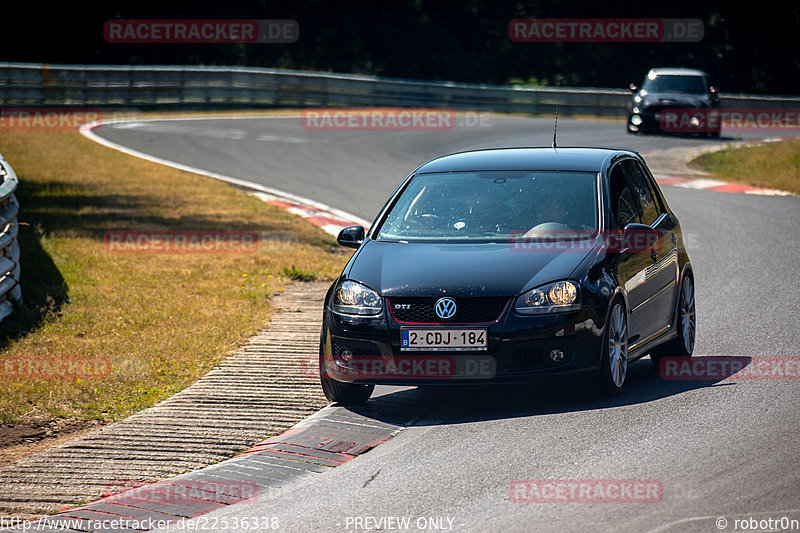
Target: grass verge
{"points": [[160, 319], [772, 165]]}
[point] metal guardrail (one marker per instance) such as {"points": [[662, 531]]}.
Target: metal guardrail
{"points": [[10, 291], [35, 84]]}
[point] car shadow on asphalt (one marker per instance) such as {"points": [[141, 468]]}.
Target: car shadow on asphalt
{"points": [[437, 405]]}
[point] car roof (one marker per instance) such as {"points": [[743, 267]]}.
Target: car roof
{"points": [[567, 158], [677, 72]]}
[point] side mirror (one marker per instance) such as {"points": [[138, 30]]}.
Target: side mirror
{"points": [[638, 238], [351, 236], [633, 87]]}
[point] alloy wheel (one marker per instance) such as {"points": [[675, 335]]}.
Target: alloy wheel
{"points": [[618, 345], [688, 320]]}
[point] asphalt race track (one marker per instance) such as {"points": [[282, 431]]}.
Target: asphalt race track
{"points": [[720, 450], [354, 171]]}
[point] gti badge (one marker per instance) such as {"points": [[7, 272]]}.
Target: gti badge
{"points": [[445, 307]]}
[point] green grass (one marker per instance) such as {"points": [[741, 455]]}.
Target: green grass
{"points": [[772, 166], [162, 319]]}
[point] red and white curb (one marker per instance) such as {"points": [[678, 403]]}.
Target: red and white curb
{"points": [[716, 185], [329, 221]]}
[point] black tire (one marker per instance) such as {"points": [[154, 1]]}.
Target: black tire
{"points": [[614, 358], [683, 344], [343, 393]]}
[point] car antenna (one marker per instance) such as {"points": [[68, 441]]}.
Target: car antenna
{"points": [[555, 129]]}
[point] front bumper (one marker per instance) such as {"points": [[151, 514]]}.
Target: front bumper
{"points": [[518, 350], [649, 120]]}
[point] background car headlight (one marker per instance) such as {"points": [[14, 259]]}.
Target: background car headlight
{"points": [[552, 298], [353, 298]]}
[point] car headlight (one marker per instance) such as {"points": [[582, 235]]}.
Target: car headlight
{"points": [[553, 298], [637, 99], [353, 298]]}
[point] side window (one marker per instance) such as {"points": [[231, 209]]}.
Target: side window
{"points": [[643, 193], [624, 206]]}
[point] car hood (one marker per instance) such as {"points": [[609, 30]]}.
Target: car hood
{"points": [[461, 270]]}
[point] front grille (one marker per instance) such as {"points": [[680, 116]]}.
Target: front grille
{"points": [[658, 108], [468, 310]]}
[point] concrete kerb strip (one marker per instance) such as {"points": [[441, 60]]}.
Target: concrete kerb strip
{"points": [[326, 439]]}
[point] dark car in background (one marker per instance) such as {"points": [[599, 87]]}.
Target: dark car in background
{"points": [[687, 93], [508, 266]]}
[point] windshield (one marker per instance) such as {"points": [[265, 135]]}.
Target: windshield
{"points": [[676, 84], [492, 206]]}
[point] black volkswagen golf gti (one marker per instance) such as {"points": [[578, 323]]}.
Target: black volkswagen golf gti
{"points": [[509, 266]]}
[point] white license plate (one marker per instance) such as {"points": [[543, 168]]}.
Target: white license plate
{"points": [[441, 340]]}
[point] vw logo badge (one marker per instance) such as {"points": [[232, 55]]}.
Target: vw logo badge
{"points": [[445, 308]]}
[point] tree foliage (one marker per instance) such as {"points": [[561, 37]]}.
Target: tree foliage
{"points": [[747, 47]]}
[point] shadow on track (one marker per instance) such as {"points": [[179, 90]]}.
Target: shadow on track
{"points": [[472, 403]]}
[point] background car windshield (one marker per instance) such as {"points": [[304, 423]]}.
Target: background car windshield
{"points": [[676, 84], [492, 206]]}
